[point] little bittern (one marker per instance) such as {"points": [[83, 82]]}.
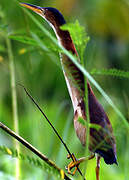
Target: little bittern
{"points": [[101, 140]]}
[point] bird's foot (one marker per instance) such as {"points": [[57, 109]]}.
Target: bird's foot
{"points": [[76, 162], [73, 164]]}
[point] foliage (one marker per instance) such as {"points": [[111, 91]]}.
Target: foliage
{"points": [[33, 53], [79, 36], [111, 72], [49, 47], [29, 159]]}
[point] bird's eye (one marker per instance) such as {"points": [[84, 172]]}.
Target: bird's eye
{"points": [[43, 11]]}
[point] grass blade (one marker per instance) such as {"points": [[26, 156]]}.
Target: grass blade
{"points": [[111, 72], [82, 69], [14, 100]]}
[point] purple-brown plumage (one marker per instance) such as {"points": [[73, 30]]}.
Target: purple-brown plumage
{"points": [[102, 140]]}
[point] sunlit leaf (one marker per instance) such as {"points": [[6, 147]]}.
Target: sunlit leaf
{"points": [[81, 68], [78, 34]]}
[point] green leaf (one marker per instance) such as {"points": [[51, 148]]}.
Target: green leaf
{"points": [[79, 36], [81, 68], [48, 45], [82, 121], [111, 72], [24, 39], [91, 125], [31, 160], [95, 126]]}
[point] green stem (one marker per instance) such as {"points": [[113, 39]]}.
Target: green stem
{"points": [[87, 114], [87, 122], [14, 100], [62, 141], [34, 150], [82, 69]]}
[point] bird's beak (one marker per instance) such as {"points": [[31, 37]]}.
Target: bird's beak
{"points": [[36, 9]]}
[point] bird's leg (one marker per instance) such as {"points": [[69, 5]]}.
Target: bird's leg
{"points": [[97, 167], [76, 162]]}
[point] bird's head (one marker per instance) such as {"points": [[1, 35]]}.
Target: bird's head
{"points": [[51, 15]]}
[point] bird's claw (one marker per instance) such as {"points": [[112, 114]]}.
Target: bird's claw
{"points": [[76, 162], [73, 164]]}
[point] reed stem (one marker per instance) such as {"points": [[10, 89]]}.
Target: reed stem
{"points": [[34, 150], [14, 101]]}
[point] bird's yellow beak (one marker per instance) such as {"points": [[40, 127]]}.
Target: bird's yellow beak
{"points": [[34, 8]]}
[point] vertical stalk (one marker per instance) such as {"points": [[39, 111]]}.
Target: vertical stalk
{"points": [[14, 101], [87, 122], [87, 115]]}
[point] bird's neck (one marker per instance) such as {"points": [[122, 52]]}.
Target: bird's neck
{"points": [[65, 40], [70, 70]]}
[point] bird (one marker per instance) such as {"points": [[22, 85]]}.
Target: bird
{"points": [[101, 140]]}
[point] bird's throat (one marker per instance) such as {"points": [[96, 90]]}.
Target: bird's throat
{"points": [[65, 40]]}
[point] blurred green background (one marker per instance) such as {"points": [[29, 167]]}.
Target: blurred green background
{"points": [[107, 24]]}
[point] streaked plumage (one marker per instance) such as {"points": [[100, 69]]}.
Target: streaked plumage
{"points": [[102, 140]]}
